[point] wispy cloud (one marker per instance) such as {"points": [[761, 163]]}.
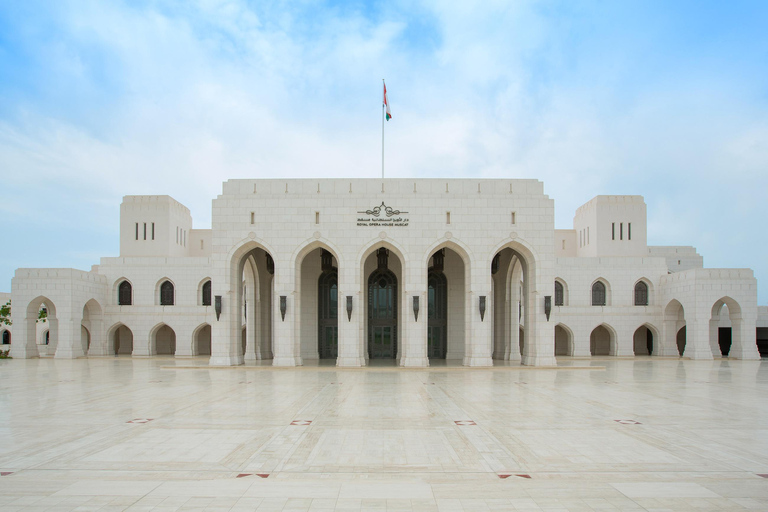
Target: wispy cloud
{"points": [[102, 99]]}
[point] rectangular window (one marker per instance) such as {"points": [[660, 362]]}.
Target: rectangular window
{"points": [[580, 239], [621, 231], [587, 235], [153, 231], [137, 231], [145, 231], [563, 244], [253, 217], [185, 237], [629, 231], [177, 235], [201, 244], [613, 231], [447, 217], [317, 217], [513, 218]]}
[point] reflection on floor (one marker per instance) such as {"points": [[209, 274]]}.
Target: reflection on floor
{"points": [[617, 434]]}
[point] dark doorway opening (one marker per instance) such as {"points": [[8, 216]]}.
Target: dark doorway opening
{"points": [[382, 314], [328, 314], [437, 315], [724, 339]]}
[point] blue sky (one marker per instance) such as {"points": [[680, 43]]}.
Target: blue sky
{"points": [[665, 99]]}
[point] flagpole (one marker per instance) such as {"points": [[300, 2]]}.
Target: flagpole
{"points": [[383, 115]]}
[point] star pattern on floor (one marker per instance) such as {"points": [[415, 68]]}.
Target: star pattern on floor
{"points": [[628, 422], [464, 423], [301, 422], [140, 420]]}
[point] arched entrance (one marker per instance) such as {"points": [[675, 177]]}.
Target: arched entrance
{"points": [[120, 340], [317, 302], [328, 308], [437, 309], [601, 341], [163, 341], [382, 309], [727, 336], [250, 307], [563, 340], [643, 341], [6, 337], [674, 333], [202, 341], [446, 302], [40, 317], [512, 270]]}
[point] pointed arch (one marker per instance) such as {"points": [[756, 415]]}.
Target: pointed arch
{"points": [[600, 292], [205, 292], [646, 339], [603, 340], [165, 292], [643, 292], [563, 340], [122, 291], [119, 339], [201, 340], [561, 292], [162, 340]]}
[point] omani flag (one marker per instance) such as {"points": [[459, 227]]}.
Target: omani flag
{"points": [[386, 103]]}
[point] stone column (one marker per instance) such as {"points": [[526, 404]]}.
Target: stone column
{"points": [[415, 331], [69, 344], [625, 341], [697, 336], [252, 340], [743, 336], [350, 354], [24, 335], [283, 329]]}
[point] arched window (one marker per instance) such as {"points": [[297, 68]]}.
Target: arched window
{"points": [[598, 294], [207, 293], [166, 294], [559, 295], [125, 294], [641, 294], [6, 337]]}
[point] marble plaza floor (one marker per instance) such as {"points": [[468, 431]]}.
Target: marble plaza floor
{"points": [[104, 434]]}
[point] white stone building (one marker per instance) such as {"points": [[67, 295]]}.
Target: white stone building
{"points": [[406, 270]]}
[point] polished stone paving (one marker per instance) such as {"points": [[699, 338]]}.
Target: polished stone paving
{"points": [[166, 434]]}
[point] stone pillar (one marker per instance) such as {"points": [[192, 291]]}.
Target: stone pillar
{"points": [[252, 340], [714, 344], [184, 338], [667, 345], [24, 336], [512, 343], [98, 337], [580, 344], [539, 347], [350, 326], [478, 345], [141, 341], [625, 342], [415, 331], [744, 338], [69, 344], [697, 337], [283, 329]]}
